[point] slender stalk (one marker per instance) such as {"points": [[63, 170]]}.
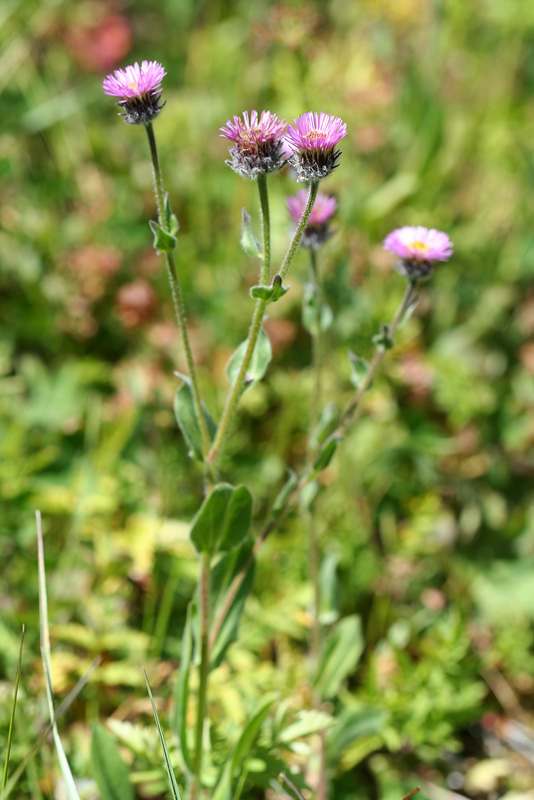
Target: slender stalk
{"points": [[291, 501], [409, 296], [293, 247], [266, 230], [215, 453], [176, 292], [204, 606]]}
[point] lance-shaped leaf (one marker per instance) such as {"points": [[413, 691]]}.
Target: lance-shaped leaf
{"points": [[249, 243], [340, 655], [170, 218], [258, 363], [223, 520], [186, 417], [222, 576], [111, 773]]}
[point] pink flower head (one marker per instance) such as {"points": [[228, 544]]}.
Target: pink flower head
{"points": [[258, 143], [138, 89], [418, 248], [317, 229], [313, 138]]}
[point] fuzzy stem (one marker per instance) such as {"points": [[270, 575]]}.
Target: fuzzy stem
{"points": [[176, 292], [223, 430], [204, 605], [266, 230], [293, 247]]}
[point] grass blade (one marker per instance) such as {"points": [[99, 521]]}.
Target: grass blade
{"points": [[65, 705], [12, 718], [170, 772], [70, 786]]}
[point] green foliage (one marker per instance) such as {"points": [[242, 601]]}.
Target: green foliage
{"points": [[111, 773], [184, 411], [258, 364], [223, 520]]}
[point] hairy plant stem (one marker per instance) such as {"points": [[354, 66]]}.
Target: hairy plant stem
{"points": [[408, 299], [176, 292], [293, 247], [204, 611], [215, 454]]}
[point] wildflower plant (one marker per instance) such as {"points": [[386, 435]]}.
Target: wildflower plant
{"points": [[221, 530]]}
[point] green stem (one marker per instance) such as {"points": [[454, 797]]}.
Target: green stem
{"points": [[293, 247], [215, 453], [204, 610], [266, 230], [176, 292], [409, 296]]}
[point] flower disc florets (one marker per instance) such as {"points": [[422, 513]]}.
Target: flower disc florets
{"points": [[138, 89], [317, 230], [313, 139], [258, 143], [418, 248]]}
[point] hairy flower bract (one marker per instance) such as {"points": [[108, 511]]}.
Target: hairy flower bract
{"points": [[258, 143], [313, 138]]}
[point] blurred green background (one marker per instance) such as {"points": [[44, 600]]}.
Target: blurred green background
{"points": [[427, 518]]}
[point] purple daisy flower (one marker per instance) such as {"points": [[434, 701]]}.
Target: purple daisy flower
{"points": [[313, 139], [418, 248], [317, 230], [258, 143], [138, 89]]}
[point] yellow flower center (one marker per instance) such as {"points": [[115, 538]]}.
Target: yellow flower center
{"points": [[133, 85], [314, 136], [421, 246]]}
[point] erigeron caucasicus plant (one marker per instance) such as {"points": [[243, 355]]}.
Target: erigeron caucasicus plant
{"points": [[221, 531]]}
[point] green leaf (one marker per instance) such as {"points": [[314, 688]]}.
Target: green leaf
{"points": [[329, 589], [111, 773], [258, 363], [164, 242], [383, 339], [249, 243], [186, 417], [351, 725], [316, 314], [242, 749], [340, 655], [270, 294], [325, 455], [182, 690], [307, 722], [328, 422], [170, 218], [223, 520], [308, 495], [222, 576], [283, 495], [170, 772], [359, 368]]}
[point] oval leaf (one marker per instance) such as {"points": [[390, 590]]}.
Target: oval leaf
{"points": [[223, 519], [249, 243]]}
